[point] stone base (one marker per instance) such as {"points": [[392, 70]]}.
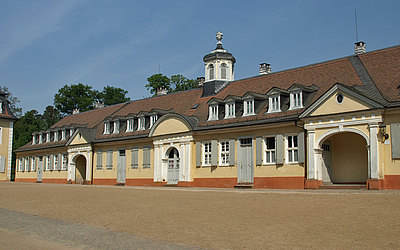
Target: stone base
{"points": [[312, 184], [375, 184]]}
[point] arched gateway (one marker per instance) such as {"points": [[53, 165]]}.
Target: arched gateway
{"points": [[80, 168], [173, 166]]}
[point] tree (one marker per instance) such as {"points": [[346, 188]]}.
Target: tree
{"points": [[157, 81], [112, 95], [50, 116], [76, 96], [32, 121], [181, 83], [12, 102]]}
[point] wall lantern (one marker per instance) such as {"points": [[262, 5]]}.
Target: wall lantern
{"points": [[382, 131]]}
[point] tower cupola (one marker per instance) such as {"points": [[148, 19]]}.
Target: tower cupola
{"points": [[219, 63]]}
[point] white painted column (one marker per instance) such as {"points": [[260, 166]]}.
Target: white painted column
{"points": [[318, 163], [187, 161], [182, 162], [311, 168], [369, 161], [156, 162], [374, 151], [88, 164]]}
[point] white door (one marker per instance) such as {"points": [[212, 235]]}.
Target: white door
{"points": [[40, 169], [245, 168], [173, 167], [121, 167], [327, 162]]}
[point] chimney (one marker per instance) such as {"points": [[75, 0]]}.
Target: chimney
{"points": [[359, 48], [98, 105], [75, 111], [265, 68], [201, 81], [161, 91]]}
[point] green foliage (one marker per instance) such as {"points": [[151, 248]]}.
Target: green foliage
{"points": [[12, 102], [174, 84], [157, 81], [50, 116], [75, 96], [25, 126], [112, 95]]}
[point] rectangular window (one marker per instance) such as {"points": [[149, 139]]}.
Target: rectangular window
{"points": [[224, 153], [129, 125], [270, 150], [153, 120], [230, 110], [274, 104], [207, 153], [135, 158], [296, 100], [146, 157], [141, 123], [33, 166], [248, 107], [109, 165], [48, 162], [292, 148], [55, 165], [65, 162], [116, 127], [107, 128], [213, 112], [99, 165], [27, 168]]}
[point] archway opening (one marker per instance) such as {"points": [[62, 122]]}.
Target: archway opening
{"points": [[344, 159], [80, 172], [173, 166]]}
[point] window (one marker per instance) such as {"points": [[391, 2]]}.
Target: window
{"points": [[292, 148], [141, 123], [55, 166], [109, 165], [20, 164], [211, 71], [223, 70], [107, 128], [153, 120], [48, 137], [65, 162], [270, 150], [296, 100], [99, 165], [339, 98], [63, 134], [213, 112], [116, 127], [146, 157], [55, 135], [274, 104], [33, 166], [248, 107], [1, 107], [230, 110], [135, 158], [207, 153], [224, 153], [48, 162], [129, 125], [27, 168]]}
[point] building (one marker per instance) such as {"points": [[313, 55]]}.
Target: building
{"points": [[7, 120], [328, 123]]}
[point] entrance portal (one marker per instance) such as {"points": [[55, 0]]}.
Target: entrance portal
{"points": [[80, 172], [173, 166], [344, 159], [245, 168]]}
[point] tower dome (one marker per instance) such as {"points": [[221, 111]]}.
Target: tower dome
{"points": [[219, 63]]}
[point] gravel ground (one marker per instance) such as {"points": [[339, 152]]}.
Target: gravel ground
{"points": [[107, 217]]}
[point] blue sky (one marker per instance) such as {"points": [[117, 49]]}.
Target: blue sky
{"points": [[47, 44]]}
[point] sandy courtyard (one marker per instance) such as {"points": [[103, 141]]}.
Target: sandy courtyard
{"points": [[216, 218]]}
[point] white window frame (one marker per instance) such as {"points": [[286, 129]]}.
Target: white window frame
{"points": [[48, 137], [55, 162], [116, 127], [20, 162], [107, 128], [141, 123], [207, 152], [230, 106], [274, 103], [296, 100], [64, 162], [290, 152], [26, 164], [47, 163], [211, 72], [223, 66], [267, 158], [153, 120], [248, 107], [33, 163], [213, 112], [224, 153], [129, 125]]}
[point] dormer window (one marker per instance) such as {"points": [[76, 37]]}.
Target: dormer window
{"points": [[40, 138], [48, 137], [129, 125], [153, 119], [141, 123], [33, 139], [223, 70], [63, 134], [230, 110], [211, 71], [71, 131], [274, 104], [107, 128], [296, 100], [55, 135], [116, 127], [1, 107], [248, 107], [213, 112]]}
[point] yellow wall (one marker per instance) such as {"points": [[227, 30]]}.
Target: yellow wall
{"points": [[330, 106], [78, 140], [4, 146], [170, 126], [390, 166]]}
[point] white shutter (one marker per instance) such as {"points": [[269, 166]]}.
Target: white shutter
{"points": [[2, 164]]}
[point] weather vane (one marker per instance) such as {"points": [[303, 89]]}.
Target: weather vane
{"points": [[219, 37]]}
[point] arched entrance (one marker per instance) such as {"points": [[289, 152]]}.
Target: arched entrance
{"points": [[344, 158], [173, 166], [80, 169]]}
